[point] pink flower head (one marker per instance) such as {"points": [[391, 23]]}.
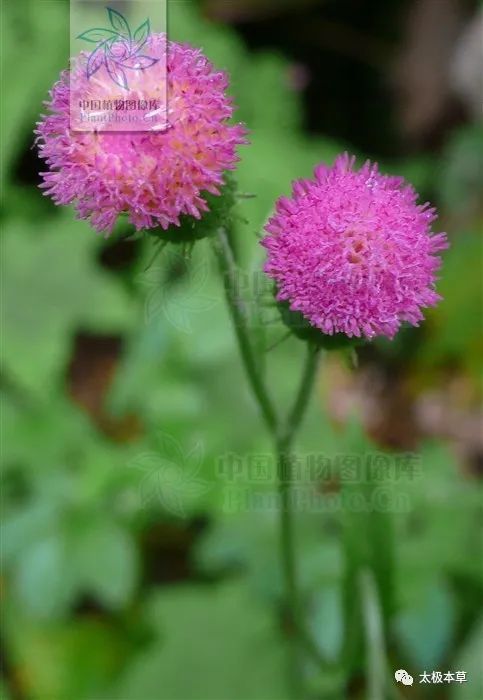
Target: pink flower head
{"points": [[353, 252], [153, 176]]}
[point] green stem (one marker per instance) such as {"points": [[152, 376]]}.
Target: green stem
{"points": [[374, 634], [297, 412], [283, 433], [287, 535], [284, 443], [239, 317]]}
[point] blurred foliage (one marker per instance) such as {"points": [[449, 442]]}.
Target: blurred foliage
{"points": [[125, 575]]}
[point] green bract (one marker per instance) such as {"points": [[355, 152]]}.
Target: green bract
{"points": [[302, 329]]}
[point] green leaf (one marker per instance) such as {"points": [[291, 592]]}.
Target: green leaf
{"points": [[469, 660], [326, 621], [52, 286], [169, 448], [455, 323], [43, 578], [460, 180], [72, 659], [23, 529], [241, 657], [4, 692], [426, 629], [45, 25], [106, 560]]}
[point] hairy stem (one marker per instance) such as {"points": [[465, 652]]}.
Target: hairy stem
{"points": [[284, 444], [299, 407], [239, 317], [283, 432]]}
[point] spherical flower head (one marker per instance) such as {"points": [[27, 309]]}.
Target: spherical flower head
{"points": [[353, 252], [152, 176]]}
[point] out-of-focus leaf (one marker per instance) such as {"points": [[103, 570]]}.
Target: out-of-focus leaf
{"points": [[28, 29], [51, 288], [232, 647], [461, 175], [44, 580], [24, 527], [106, 560], [4, 692], [326, 621], [426, 630], [75, 659], [440, 533], [37, 440], [456, 323], [469, 660]]}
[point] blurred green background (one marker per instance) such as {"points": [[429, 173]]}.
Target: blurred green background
{"points": [[126, 573]]}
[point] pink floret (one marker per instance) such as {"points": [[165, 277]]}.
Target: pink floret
{"points": [[353, 251]]}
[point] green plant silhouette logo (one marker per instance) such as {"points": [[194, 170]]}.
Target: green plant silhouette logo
{"points": [[171, 475], [118, 48]]}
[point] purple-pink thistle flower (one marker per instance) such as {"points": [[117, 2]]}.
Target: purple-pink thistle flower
{"points": [[353, 252], [156, 176]]}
